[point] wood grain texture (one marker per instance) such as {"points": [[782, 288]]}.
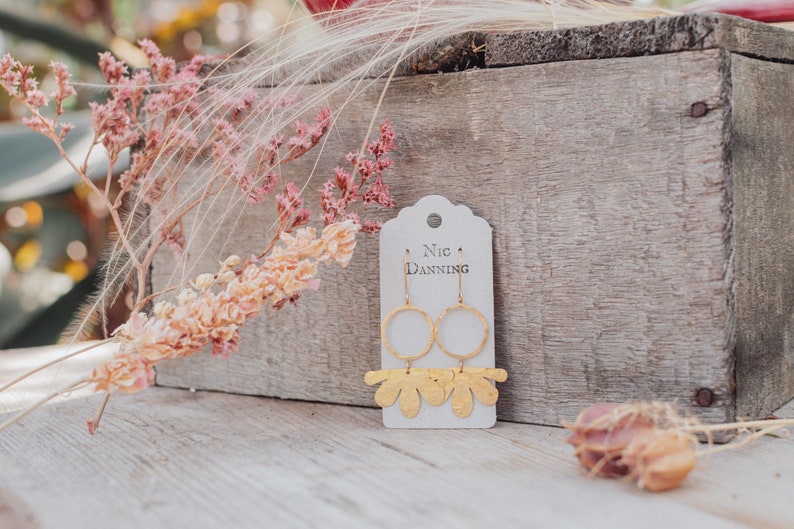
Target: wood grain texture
{"points": [[169, 458], [763, 175], [609, 207], [654, 36]]}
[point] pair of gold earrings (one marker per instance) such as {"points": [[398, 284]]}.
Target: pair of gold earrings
{"points": [[435, 385]]}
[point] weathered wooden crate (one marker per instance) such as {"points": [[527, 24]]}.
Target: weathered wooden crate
{"points": [[639, 179]]}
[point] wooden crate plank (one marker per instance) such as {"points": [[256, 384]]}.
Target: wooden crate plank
{"points": [[608, 207], [654, 36], [170, 458], [763, 176]]}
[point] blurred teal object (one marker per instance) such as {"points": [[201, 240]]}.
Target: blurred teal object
{"points": [[37, 301], [28, 24], [32, 166]]}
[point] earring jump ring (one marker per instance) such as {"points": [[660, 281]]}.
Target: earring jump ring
{"points": [[461, 306], [384, 325]]}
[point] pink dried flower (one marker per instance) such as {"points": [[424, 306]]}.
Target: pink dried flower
{"points": [[10, 76], [112, 123], [378, 193], [39, 124], [288, 202], [37, 98], [371, 226], [64, 129], [163, 68], [308, 135], [65, 88], [114, 70], [369, 188], [646, 442], [601, 433]]}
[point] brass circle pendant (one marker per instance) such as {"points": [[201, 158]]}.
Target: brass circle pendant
{"points": [[385, 340], [461, 306]]}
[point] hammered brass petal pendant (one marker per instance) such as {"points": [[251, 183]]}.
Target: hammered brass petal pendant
{"points": [[408, 385], [473, 381]]}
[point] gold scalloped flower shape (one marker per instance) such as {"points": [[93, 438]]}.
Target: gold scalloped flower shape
{"points": [[408, 386], [473, 381]]}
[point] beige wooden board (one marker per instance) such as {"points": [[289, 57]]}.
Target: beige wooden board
{"points": [[763, 180], [170, 458], [608, 204], [16, 362]]}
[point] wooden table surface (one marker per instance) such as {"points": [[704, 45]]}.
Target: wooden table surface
{"points": [[172, 458]]}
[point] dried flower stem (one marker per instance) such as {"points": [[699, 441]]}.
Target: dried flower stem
{"points": [[30, 409], [744, 440], [93, 423], [51, 363], [740, 425]]}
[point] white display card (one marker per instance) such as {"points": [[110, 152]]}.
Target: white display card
{"points": [[433, 231]]}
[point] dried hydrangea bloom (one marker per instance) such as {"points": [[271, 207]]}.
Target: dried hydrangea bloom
{"points": [[660, 459]]}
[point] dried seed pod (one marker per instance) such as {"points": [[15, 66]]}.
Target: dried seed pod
{"points": [[602, 432], [660, 459]]}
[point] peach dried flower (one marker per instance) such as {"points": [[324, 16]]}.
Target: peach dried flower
{"points": [[340, 241], [660, 459], [127, 373], [230, 263], [203, 282]]}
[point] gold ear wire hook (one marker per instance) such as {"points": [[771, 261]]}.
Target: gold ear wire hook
{"points": [[460, 306], [460, 275], [408, 307], [405, 277]]}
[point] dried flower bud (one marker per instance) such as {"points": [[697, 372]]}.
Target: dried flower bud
{"points": [[600, 435], [227, 277], [203, 282], [164, 309], [186, 296], [660, 459], [230, 262]]}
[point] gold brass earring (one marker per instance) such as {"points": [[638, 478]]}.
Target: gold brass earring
{"points": [[410, 383], [403, 308], [461, 306], [470, 381]]}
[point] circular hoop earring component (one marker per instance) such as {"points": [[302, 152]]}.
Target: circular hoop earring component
{"points": [[402, 308], [475, 352], [461, 306], [407, 307]]}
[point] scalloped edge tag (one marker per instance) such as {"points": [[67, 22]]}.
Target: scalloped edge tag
{"points": [[433, 286]]}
